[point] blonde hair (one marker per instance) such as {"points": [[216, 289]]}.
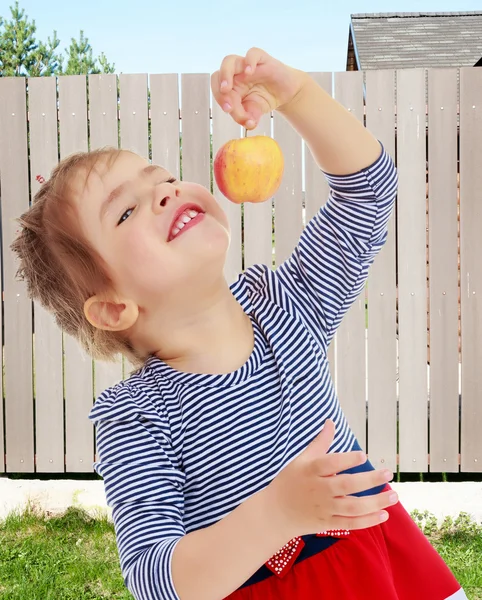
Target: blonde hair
{"points": [[60, 267]]}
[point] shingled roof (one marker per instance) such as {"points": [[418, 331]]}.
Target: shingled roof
{"points": [[404, 40]]}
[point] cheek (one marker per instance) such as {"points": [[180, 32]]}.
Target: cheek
{"points": [[132, 258]]}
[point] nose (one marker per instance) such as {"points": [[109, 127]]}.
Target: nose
{"points": [[163, 196]]}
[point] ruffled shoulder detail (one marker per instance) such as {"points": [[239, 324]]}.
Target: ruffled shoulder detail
{"points": [[127, 402]]}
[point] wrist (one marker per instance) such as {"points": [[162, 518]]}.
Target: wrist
{"points": [[304, 87], [275, 525]]}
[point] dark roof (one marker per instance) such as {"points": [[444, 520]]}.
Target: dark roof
{"points": [[404, 40]]}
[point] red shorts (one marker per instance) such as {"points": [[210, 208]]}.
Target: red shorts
{"points": [[391, 561]]}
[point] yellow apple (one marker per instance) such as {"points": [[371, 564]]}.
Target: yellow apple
{"points": [[249, 169]]}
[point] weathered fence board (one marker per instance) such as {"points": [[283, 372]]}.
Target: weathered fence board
{"points": [[103, 122], [258, 218], [48, 362], [17, 321], [412, 270], [104, 131], [3, 157], [225, 129], [196, 151], [382, 295], [77, 365], [443, 264], [134, 133], [471, 265], [165, 122], [350, 339], [288, 199]]}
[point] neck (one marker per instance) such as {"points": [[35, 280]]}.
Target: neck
{"points": [[199, 333]]}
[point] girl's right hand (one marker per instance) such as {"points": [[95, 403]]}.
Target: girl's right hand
{"points": [[309, 496]]}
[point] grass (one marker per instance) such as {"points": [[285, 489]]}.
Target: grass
{"points": [[74, 556], [67, 557], [459, 543]]}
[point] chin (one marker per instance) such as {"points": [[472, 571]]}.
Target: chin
{"points": [[210, 238]]}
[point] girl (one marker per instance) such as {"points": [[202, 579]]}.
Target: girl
{"points": [[219, 454]]}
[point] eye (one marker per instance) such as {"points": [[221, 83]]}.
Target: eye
{"points": [[125, 216]]}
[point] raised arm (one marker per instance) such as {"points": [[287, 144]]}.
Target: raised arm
{"points": [[329, 267], [339, 142]]}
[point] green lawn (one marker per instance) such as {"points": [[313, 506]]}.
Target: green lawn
{"points": [[74, 557]]}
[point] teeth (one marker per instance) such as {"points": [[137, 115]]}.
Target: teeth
{"points": [[185, 218]]}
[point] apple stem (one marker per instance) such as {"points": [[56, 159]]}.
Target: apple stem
{"points": [[245, 132]]}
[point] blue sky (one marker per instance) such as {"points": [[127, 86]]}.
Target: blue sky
{"points": [[163, 36]]}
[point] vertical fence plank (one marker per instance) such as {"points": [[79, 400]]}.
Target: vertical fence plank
{"points": [[350, 341], [165, 122], [103, 111], [471, 269], [225, 129], [258, 218], [17, 306], [49, 396], [316, 194], [3, 425], [196, 146], [412, 270], [104, 132], [443, 265], [288, 198], [133, 113], [77, 364], [381, 295]]}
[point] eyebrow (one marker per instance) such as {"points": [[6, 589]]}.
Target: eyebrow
{"points": [[120, 189]]}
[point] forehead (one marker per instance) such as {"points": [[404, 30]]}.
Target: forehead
{"points": [[110, 172], [113, 170]]}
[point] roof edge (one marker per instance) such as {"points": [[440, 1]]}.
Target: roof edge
{"points": [[413, 15], [355, 49]]}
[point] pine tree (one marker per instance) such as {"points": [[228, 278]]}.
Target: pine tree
{"points": [[105, 65], [79, 57], [17, 44], [47, 61], [21, 54]]}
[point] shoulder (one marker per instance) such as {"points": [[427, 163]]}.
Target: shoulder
{"points": [[133, 399], [258, 279]]}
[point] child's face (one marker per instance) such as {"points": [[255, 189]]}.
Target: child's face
{"points": [[133, 215]]}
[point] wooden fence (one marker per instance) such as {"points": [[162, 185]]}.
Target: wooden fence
{"points": [[410, 411]]}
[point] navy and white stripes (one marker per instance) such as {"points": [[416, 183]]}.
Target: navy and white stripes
{"points": [[179, 451]]}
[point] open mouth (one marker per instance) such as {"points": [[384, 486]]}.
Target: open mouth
{"points": [[186, 217]]}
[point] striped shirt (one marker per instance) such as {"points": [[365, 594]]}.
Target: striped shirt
{"points": [[179, 451]]}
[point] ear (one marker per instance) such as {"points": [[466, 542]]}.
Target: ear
{"points": [[111, 315]]}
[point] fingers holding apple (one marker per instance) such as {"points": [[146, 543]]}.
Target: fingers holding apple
{"points": [[249, 86], [231, 90], [249, 169]]}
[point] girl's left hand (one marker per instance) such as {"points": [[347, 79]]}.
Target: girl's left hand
{"points": [[248, 87]]}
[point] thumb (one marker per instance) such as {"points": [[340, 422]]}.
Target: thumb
{"points": [[322, 442]]}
